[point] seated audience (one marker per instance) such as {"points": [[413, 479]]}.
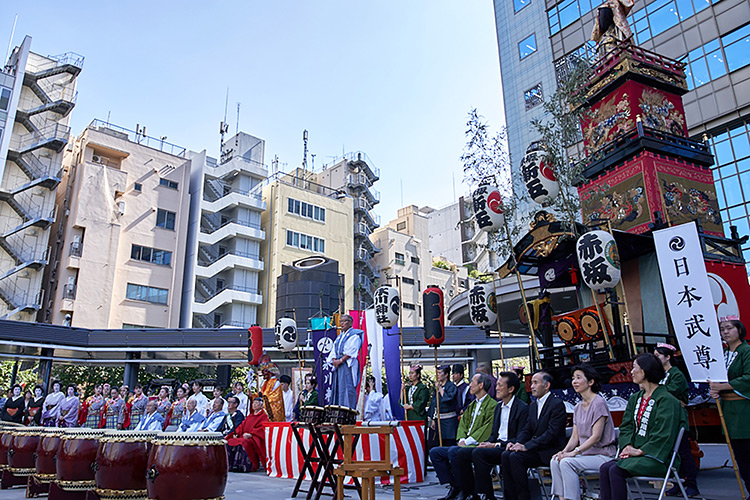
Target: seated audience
{"points": [[246, 445], [151, 419], [192, 419], [217, 419]]}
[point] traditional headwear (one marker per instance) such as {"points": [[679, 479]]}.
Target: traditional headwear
{"points": [[731, 317], [667, 346]]}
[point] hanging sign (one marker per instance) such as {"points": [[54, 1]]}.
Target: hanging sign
{"points": [[254, 344], [538, 175], [286, 334], [691, 306], [488, 208], [434, 317], [598, 260], [386, 306], [482, 305]]}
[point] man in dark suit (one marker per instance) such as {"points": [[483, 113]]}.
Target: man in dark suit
{"points": [[543, 436], [457, 375], [235, 415], [510, 418]]}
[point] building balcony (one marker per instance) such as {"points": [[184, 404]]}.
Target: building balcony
{"points": [[69, 292], [210, 235], [229, 260], [69, 62], [362, 229], [234, 199], [362, 205], [54, 136], [363, 163], [228, 295], [237, 165]]}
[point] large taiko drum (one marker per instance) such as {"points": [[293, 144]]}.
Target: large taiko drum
{"points": [[6, 440], [21, 455], [187, 465], [340, 415], [46, 451], [312, 414], [75, 459], [121, 464]]}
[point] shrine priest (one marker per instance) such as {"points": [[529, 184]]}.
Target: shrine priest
{"points": [[246, 445], [343, 357]]}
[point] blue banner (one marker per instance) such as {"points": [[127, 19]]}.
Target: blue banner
{"points": [[322, 345], [391, 355]]}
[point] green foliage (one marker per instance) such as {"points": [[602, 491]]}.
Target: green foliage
{"points": [[27, 378], [441, 264], [482, 278]]}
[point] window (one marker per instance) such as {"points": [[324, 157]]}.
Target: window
{"points": [[401, 226], [307, 210], [408, 281], [415, 260], [131, 326], [565, 65], [566, 12], [147, 293], [737, 48], [411, 307], [520, 4], [146, 254], [305, 242], [165, 219], [533, 96], [168, 183], [527, 46], [138, 187], [400, 259], [657, 17], [4, 99], [705, 64]]}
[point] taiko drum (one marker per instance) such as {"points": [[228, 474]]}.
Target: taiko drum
{"points": [[75, 458], [120, 469], [46, 451], [21, 455]]}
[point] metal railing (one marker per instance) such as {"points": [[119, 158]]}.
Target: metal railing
{"points": [[244, 289], [143, 140], [76, 249], [55, 92], [247, 255], [54, 131], [357, 156], [216, 225], [66, 59], [69, 291]]}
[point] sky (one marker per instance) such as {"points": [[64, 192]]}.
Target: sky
{"points": [[394, 79]]}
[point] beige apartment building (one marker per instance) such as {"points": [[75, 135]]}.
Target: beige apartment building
{"points": [[37, 94], [304, 219], [405, 253], [119, 243]]}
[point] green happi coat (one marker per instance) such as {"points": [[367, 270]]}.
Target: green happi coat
{"points": [[736, 412], [482, 427], [418, 398], [655, 436], [676, 383]]}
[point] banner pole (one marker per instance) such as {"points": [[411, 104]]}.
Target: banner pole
{"points": [[603, 319], [626, 312], [499, 330], [437, 403], [731, 451], [299, 354], [401, 344]]}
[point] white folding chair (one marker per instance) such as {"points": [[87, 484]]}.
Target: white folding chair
{"points": [[671, 472]]}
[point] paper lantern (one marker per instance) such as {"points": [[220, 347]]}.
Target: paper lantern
{"points": [[254, 344], [488, 208], [482, 305], [598, 260], [433, 315], [386, 306], [286, 334], [539, 175]]}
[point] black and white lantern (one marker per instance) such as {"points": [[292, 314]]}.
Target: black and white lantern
{"points": [[598, 260], [482, 305], [538, 175], [286, 334], [386, 306], [488, 208]]}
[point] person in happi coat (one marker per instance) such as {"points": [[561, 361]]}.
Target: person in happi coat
{"points": [[474, 428], [677, 385], [90, 414], [374, 409], [447, 395], [649, 428], [308, 396], [14, 406], [592, 441], [246, 445], [174, 418], [201, 401], [51, 406], [68, 415], [523, 394], [151, 420], [735, 394], [34, 407], [134, 408], [417, 395], [271, 392], [343, 357], [218, 420], [191, 419], [112, 410]]}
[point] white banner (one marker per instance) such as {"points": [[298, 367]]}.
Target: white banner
{"points": [[691, 306]]}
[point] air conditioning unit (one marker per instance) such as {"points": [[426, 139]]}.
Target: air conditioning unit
{"points": [[101, 160]]}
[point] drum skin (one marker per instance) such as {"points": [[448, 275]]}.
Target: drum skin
{"points": [[121, 465], [22, 451], [75, 458], [45, 454], [183, 466], [6, 439]]}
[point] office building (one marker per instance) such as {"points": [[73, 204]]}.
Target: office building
{"points": [[119, 241], [37, 94], [537, 41]]}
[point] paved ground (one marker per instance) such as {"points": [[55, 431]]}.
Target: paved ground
{"points": [[716, 481]]}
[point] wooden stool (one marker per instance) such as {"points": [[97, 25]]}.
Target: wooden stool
{"points": [[367, 470]]}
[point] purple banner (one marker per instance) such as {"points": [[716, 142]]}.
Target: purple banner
{"points": [[391, 355], [322, 345]]}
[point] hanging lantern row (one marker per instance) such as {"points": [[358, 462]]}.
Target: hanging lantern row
{"points": [[433, 315], [539, 175], [286, 334], [598, 260], [483, 305], [386, 303], [488, 208]]}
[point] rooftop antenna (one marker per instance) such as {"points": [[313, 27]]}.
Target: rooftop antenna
{"points": [[312, 162], [304, 152], [275, 164], [10, 42], [223, 126], [237, 130]]}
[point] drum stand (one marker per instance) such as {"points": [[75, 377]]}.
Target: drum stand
{"points": [[36, 487], [8, 480], [57, 493]]}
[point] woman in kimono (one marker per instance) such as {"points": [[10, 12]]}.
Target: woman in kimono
{"points": [[51, 406], [374, 408], [735, 394], [174, 418], [14, 406], [677, 385], [69, 409], [91, 409], [112, 410], [649, 428], [163, 403], [134, 409], [417, 396], [446, 393]]}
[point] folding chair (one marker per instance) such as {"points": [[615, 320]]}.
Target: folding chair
{"points": [[671, 471]]}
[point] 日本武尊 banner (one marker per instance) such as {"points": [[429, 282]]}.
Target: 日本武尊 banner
{"points": [[691, 306]]}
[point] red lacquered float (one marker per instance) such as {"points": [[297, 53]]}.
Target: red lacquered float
{"points": [[121, 464], [75, 459], [187, 465]]}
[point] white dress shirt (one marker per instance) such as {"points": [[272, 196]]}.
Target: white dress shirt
{"points": [[502, 431], [540, 404], [470, 441], [288, 405]]}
